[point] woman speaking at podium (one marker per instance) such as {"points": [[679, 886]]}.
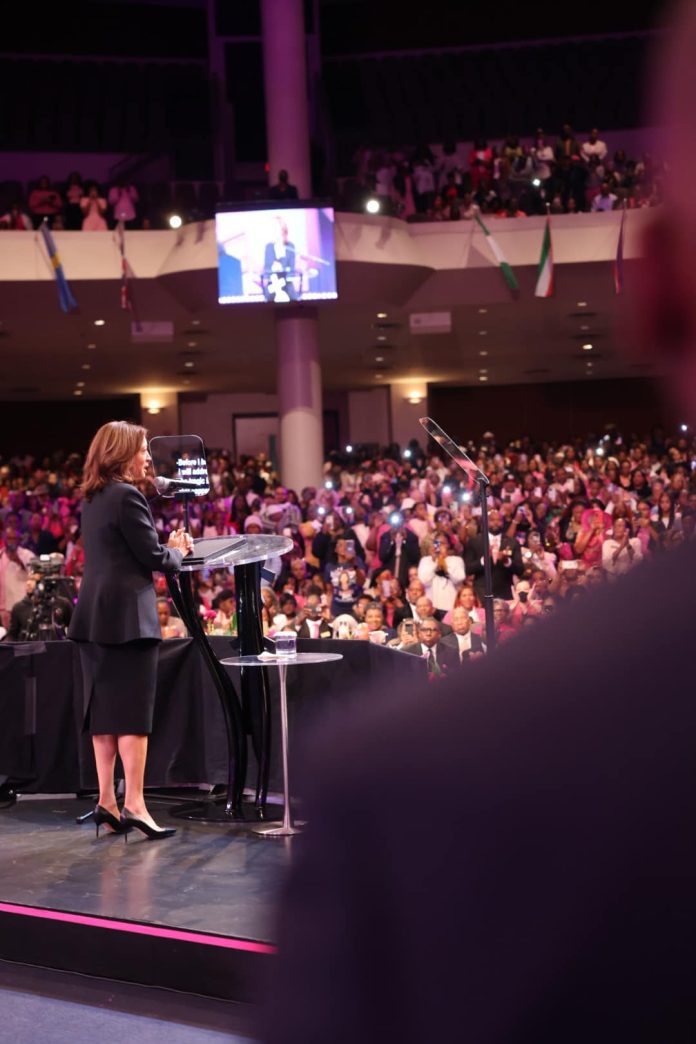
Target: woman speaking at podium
{"points": [[115, 621]]}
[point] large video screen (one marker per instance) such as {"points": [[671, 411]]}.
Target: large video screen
{"points": [[276, 254]]}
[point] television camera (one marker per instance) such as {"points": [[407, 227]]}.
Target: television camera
{"points": [[52, 600]]}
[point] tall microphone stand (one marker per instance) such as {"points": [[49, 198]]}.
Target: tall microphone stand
{"points": [[472, 471], [482, 483]]}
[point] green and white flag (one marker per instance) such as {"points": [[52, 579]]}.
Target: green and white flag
{"points": [[508, 274], [544, 283]]}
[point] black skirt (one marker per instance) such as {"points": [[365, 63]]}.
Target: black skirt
{"points": [[119, 687]]}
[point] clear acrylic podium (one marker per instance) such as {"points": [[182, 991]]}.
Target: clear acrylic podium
{"points": [[287, 829], [250, 712]]}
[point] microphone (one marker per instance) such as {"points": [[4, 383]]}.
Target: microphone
{"points": [[168, 485]]}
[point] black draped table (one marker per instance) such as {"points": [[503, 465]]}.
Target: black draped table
{"points": [[43, 750]]}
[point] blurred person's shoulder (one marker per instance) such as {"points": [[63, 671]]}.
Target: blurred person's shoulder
{"points": [[603, 667]]}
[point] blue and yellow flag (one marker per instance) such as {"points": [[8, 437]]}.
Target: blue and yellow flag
{"points": [[65, 295]]}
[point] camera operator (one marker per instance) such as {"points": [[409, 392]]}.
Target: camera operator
{"points": [[21, 611], [43, 614]]}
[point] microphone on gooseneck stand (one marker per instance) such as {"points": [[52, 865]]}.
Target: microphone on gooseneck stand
{"points": [[167, 485]]}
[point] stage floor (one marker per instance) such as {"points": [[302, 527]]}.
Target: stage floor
{"points": [[216, 879]]}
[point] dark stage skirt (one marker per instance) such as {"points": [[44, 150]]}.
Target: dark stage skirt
{"points": [[120, 682]]}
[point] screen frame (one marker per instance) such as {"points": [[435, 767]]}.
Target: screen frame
{"points": [[273, 205]]}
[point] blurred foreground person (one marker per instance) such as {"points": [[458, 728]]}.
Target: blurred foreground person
{"points": [[511, 856]]}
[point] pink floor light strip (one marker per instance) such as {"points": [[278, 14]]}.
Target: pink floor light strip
{"points": [[157, 932]]}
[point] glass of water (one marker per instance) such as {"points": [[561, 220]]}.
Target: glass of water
{"points": [[286, 644]]}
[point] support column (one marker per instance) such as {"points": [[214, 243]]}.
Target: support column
{"points": [[297, 330], [222, 112], [285, 83], [299, 400]]}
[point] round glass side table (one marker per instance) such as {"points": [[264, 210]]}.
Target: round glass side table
{"points": [[282, 663]]}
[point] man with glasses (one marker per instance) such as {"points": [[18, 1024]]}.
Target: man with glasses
{"points": [[442, 659]]}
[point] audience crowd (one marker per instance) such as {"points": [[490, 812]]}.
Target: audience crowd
{"points": [[75, 205], [562, 175], [389, 548]]}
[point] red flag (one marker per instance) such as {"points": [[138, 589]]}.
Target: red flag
{"points": [[127, 302], [618, 263]]}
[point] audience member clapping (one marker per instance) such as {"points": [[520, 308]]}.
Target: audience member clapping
{"points": [[441, 573], [93, 208]]}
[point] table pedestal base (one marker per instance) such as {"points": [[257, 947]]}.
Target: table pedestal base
{"points": [[276, 831]]}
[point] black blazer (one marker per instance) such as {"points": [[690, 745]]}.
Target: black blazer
{"points": [[117, 601], [410, 553], [476, 645], [325, 629], [501, 575], [446, 657]]}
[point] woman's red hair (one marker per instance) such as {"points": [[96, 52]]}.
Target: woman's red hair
{"points": [[110, 452]]}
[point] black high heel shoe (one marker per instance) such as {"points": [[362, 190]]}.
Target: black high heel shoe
{"points": [[129, 821], [102, 816]]}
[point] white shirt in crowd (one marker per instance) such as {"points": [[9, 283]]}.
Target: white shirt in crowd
{"points": [[423, 178], [603, 203], [421, 527], [625, 559], [541, 163], [589, 149], [464, 643], [441, 590], [362, 532]]}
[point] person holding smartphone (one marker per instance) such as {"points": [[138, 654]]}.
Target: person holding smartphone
{"points": [[313, 621], [405, 635], [398, 548]]}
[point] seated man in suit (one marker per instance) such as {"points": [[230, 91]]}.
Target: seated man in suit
{"points": [[467, 645], [442, 659]]}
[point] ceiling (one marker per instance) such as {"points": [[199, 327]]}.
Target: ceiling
{"points": [[232, 348]]}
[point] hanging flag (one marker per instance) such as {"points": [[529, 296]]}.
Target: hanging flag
{"points": [[544, 284], [65, 296], [618, 263], [508, 274], [127, 302]]}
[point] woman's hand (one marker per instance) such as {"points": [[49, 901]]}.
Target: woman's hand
{"points": [[181, 541]]}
